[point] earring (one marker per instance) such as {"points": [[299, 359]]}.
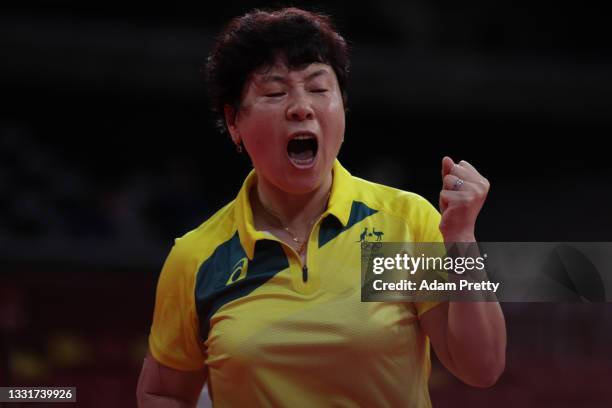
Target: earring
{"points": [[239, 148]]}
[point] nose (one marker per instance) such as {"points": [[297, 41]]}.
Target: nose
{"points": [[300, 108]]}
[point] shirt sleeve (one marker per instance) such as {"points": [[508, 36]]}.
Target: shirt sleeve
{"points": [[429, 231], [174, 338]]}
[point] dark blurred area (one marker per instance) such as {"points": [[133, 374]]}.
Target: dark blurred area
{"points": [[108, 152]]}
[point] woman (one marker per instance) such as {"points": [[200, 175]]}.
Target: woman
{"points": [[263, 299]]}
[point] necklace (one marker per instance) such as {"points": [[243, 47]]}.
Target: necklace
{"points": [[294, 237]]}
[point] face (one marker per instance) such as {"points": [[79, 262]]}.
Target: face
{"points": [[291, 122]]}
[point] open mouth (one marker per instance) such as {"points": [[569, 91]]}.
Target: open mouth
{"points": [[302, 149]]}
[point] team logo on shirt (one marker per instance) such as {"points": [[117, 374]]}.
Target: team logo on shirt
{"points": [[365, 234], [239, 271]]}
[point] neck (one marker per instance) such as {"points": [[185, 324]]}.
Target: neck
{"points": [[296, 211]]}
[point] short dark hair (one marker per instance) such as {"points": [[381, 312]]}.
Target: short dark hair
{"points": [[258, 38]]}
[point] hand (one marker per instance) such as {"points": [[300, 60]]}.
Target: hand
{"points": [[463, 194]]}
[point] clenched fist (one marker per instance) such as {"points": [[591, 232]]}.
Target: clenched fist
{"points": [[463, 194]]}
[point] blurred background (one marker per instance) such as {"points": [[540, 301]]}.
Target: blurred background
{"points": [[108, 152]]}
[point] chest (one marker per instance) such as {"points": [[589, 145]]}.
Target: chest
{"points": [[277, 328], [270, 315]]}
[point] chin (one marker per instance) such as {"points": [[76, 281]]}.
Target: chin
{"points": [[302, 182], [300, 187]]}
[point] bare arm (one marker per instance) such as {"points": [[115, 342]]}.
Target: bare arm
{"points": [[469, 338], [162, 386]]}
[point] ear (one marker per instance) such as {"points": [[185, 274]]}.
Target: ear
{"points": [[230, 120]]}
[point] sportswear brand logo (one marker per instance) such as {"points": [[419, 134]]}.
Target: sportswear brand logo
{"points": [[239, 271]]}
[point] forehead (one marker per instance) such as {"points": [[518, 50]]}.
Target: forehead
{"points": [[280, 72]]}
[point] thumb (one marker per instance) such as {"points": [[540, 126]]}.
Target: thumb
{"points": [[447, 165]]}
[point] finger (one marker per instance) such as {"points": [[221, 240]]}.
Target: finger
{"points": [[471, 176], [452, 198], [452, 182], [447, 165], [467, 165], [447, 197], [465, 173]]}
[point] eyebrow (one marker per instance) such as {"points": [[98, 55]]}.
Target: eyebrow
{"points": [[283, 79]]}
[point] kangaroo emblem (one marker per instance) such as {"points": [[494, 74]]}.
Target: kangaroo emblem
{"points": [[362, 237]]}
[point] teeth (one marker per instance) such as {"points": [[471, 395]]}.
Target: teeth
{"points": [[303, 137]]}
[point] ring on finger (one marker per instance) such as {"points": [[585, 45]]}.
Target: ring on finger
{"points": [[458, 184]]}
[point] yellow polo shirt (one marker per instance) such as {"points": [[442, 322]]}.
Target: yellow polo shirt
{"points": [[271, 333]]}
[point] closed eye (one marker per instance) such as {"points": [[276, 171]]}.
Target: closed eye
{"points": [[321, 90], [275, 94]]}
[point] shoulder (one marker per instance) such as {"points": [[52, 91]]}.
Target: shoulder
{"points": [[407, 205], [217, 228], [409, 209], [193, 248]]}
